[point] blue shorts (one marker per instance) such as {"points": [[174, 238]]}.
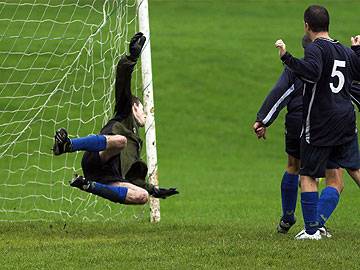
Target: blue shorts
{"points": [[316, 159], [292, 146], [293, 127]]}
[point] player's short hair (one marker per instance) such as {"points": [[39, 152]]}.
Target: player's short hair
{"points": [[305, 41], [136, 100], [317, 17]]}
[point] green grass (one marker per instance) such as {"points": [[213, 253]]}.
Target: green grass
{"points": [[213, 63], [169, 246]]}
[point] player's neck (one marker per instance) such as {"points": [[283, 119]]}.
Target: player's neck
{"points": [[317, 35]]}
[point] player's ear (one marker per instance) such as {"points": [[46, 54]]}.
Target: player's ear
{"points": [[306, 27]]}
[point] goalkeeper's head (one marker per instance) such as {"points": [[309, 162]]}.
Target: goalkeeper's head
{"points": [[138, 111]]}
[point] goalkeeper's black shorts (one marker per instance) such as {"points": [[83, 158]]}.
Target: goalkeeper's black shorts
{"points": [[96, 170]]}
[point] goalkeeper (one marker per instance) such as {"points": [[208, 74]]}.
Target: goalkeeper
{"points": [[111, 163]]}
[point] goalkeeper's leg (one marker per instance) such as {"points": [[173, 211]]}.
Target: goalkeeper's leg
{"points": [[118, 192], [107, 145]]}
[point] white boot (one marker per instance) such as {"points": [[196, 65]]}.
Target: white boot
{"points": [[304, 236]]}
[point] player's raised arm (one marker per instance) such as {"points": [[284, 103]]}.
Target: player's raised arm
{"points": [[125, 67], [309, 68], [316, 26], [355, 46]]}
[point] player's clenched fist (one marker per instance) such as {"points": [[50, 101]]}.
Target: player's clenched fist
{"points": [[355, 41], [281, 46], [260, 130]]}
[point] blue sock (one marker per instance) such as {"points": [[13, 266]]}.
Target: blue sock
{"points": [[328, 201], [309, 202], [91, 143], [289, 191], [112, 193]]}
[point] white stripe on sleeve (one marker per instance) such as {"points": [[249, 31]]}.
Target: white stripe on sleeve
{"points": [[276, 105]]}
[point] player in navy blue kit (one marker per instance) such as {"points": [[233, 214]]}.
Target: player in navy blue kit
{"points": [[329, 119], [288, 92]]}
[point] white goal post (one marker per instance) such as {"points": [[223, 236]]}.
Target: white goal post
{"points": [[147, 83]]}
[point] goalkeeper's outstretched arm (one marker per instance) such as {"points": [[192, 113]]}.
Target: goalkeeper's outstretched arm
{"points": [[123, 95], [124, 69], [157, 192]]}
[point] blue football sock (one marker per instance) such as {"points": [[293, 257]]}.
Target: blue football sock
{"points": [[289, 191], [112, 193], [328, 201], [309, 202], [91, 143]]}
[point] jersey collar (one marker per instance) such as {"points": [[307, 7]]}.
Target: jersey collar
{"points": [[327, 39]]}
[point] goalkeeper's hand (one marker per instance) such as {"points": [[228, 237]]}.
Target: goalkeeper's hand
{"points": [[136, 44], [163, 193]]}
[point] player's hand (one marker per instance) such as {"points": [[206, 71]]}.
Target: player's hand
{"points": [[355, 41], [136, 44], [281, 46], [260, 130], [163, 193]]}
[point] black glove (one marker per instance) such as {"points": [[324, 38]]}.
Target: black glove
{"points": [[136, 44], [163, 193]]}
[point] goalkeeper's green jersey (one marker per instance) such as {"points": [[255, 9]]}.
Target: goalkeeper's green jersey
{"points": [[132, 168]]}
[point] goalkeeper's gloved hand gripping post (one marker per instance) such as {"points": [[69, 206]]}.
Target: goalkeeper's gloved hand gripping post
{"points": [[136, 44], [163, 193]]}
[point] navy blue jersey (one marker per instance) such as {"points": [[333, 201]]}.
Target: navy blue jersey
{"points": [[354, 93], [329, 69], [288, 91]]}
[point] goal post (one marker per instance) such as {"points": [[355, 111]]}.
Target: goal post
{"points": [[148, 96]]}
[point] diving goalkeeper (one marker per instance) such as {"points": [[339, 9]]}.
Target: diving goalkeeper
{"points": [[111, 163]]}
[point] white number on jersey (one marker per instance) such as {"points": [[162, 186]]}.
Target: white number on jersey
{"points": [[337, 73]]}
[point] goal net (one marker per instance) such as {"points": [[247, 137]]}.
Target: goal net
{"points": [[57, 70]]}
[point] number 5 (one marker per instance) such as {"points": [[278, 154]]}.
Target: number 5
{"points": [[338, 74]]}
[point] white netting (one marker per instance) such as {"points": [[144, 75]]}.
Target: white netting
{"points": [[57, 61]]}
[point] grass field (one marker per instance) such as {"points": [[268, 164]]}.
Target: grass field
{"points": [[213, 63]]}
